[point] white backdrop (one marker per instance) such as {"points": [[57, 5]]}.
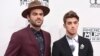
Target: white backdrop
{"points": [[11, 19]]}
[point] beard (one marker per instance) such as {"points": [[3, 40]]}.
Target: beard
{"points": [[35, 24]]}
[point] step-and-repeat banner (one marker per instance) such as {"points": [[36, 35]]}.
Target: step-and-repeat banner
{"points": [[88, 11]]}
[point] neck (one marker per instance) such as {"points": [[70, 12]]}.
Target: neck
{"points": [[36, 28], [71, 35]]}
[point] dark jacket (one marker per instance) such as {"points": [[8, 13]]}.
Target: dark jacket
{"points": [[61, 47]]}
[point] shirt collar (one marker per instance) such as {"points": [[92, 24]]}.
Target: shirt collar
{"points": [[35, 31], [74, 38]]}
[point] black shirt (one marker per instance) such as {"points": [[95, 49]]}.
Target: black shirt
{"points": [[40, 40]]}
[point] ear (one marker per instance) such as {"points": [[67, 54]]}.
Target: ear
{"points": [[64, 25], [77, 24], [28, 17]]}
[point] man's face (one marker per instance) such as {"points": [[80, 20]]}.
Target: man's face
{"points": [[71, 26], [36, 17]]}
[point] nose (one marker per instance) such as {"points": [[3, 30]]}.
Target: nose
{"points": [[73, 25], [38, 16]]}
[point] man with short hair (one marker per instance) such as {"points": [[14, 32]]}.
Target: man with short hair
{"points": [[32, 40], [72, 44]]}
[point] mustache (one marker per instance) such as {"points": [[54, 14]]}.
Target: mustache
{"points": [[38, 20]]}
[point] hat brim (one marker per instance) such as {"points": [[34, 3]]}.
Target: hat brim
{"points": [[45, 9]]}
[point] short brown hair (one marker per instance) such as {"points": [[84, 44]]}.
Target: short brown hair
{"points": [[70, 14]]}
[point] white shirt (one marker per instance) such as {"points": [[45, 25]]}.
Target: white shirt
{"points": [[74, 41]]}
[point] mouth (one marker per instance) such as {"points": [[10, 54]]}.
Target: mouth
{"points": [[72, 29], [38, 20]]}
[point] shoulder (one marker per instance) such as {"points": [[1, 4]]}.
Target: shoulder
{"points": [[45, 32], [60, 41], [86, 40], [20, 32], [81, 37]]}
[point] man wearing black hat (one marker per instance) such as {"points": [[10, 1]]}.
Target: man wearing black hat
{"points": [[32, 40]]}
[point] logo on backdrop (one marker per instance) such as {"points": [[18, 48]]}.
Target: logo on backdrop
{"points": [[95, 3], [91, 33], [25, 2]]}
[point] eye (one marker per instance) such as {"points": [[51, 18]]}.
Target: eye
{"points": [[41, 14], [69, 23], [34, 14], [75, 22]]}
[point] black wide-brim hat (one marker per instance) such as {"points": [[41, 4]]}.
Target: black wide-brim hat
{"points": [[35, 5]]}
